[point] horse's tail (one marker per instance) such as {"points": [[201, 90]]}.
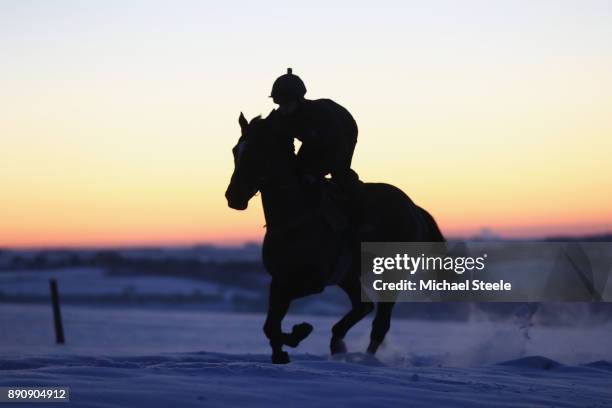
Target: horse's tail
{"points": [[434, 231]]}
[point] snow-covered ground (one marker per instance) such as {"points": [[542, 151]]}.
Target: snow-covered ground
{"points": [[171, 358], [142, 335]]}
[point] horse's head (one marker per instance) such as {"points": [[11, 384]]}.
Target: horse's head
{"points": [[262, 153]]}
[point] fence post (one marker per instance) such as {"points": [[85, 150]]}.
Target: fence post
{"points": [[57, 314]]}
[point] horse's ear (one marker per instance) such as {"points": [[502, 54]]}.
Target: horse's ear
{"points": [[243, 122]]}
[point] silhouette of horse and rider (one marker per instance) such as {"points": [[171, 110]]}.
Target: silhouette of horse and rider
{"points": [[315, 224]]}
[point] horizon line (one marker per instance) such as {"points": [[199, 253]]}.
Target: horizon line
{"points": [[248, 243]]}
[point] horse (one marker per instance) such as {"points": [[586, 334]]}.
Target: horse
{"points": [[302, 250]]}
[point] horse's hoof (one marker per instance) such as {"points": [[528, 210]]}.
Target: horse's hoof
{"points": [[282, 357], [337, 346], [373, 347], [299, 333]]}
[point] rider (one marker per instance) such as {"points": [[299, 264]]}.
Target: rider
{"points": [[328, 134]]}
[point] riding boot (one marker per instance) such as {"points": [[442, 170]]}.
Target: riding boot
{"points": [[353, 188]]}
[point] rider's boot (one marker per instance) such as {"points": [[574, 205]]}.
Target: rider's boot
{"points": [[354, 190]]}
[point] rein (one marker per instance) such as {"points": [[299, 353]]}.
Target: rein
{"points": [[278, 228]]}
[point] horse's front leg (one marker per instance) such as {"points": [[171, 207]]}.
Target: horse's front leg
{"points": [[278, 305]]}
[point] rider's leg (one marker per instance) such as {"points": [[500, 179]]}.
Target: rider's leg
{"points": [[352, 187]]}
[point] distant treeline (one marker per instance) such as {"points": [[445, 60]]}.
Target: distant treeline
{"points": [[135, 262], [182, 256]]}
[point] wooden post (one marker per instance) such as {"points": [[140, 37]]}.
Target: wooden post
{"points": [[57, 314]]}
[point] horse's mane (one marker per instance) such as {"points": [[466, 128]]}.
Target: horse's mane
{"points": [[269, 127]]}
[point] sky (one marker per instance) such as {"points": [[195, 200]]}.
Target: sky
{"points": [[117, 118]]}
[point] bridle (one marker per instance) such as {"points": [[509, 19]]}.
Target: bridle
{"points": [[268, 182]]}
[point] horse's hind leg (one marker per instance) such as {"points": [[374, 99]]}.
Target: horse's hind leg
{"points": [[380, 325], [278, 305], [359, 310]]}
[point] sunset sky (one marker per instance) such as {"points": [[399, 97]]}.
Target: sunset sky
{"points": [[117, 117]]}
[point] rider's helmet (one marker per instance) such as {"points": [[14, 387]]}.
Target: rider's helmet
{"points": [[288, 88]]}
